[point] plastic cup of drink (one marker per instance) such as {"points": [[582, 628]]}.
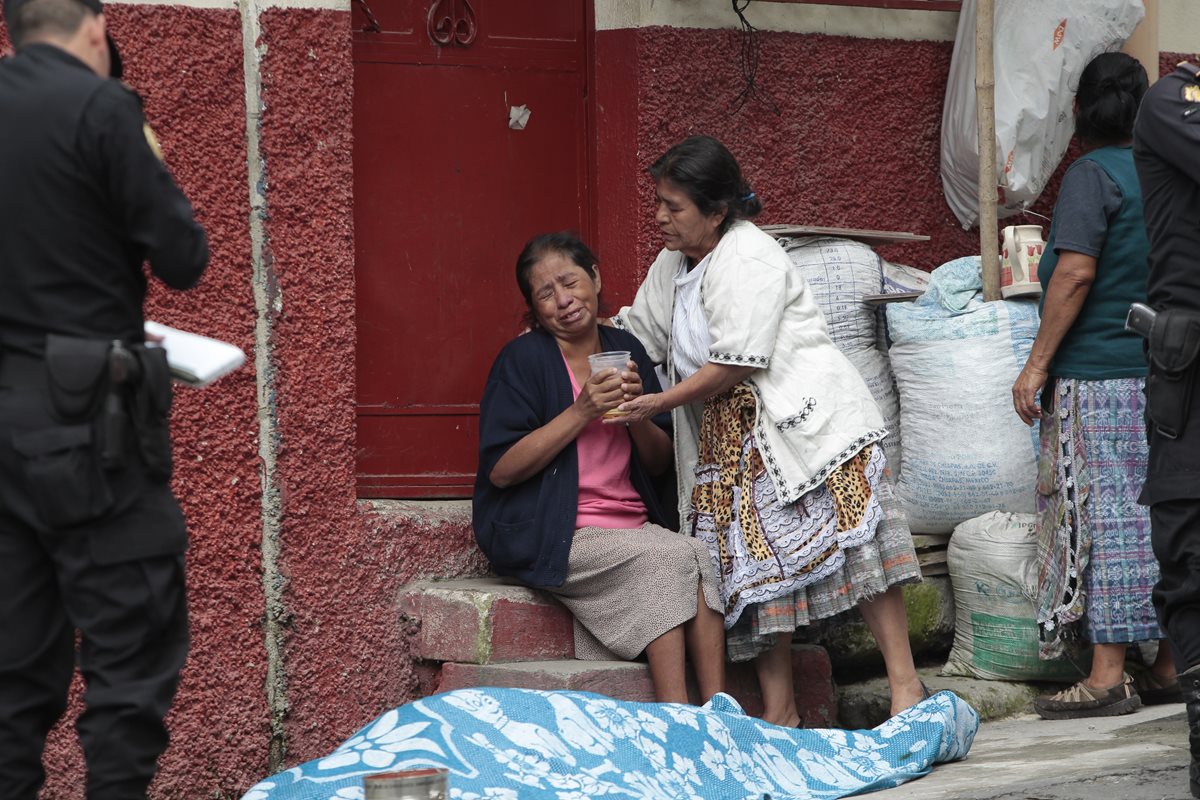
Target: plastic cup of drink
{"points": [[611, 359]]}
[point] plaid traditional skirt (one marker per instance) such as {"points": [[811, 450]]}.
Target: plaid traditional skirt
{"points": [[780, 566], [1096, 569]]}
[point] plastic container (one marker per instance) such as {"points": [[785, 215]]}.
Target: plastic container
{"points": [[1023, 246], [610, 359], [417, 784]]}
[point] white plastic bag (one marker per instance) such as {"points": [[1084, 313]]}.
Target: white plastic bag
{"points": [[1040, 49], [955, 359], [991, 559]]}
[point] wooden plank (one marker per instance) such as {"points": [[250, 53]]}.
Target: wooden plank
{"points": [[927, 557], [914, 5], [857, 234], [930, 570], [876, 300], [930, 540]]}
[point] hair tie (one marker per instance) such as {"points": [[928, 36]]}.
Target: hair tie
{"points": [[749, 197]]}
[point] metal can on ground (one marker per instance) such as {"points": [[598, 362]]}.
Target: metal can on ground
{"points": [[416, 784]]}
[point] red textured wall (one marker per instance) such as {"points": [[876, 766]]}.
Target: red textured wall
{"points": [[855, 142], [346, 655], [198, 108], [337, 589], [1167, 61], [307, 146]]}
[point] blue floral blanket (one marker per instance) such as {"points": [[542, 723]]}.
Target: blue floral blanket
{"points": [[518, 744]]}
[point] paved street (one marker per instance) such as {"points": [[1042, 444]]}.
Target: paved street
{"points": [[1139, 756]]}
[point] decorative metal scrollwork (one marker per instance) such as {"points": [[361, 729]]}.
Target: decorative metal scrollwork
{"points": [[452, 22]]}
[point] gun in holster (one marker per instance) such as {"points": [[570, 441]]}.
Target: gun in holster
{"points": [[116, 387], [124, 375], [1172, 345]]}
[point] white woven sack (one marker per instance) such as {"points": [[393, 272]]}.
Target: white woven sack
{"points": [[991, 560], [955, 358], [873, 366], [840, 272]]}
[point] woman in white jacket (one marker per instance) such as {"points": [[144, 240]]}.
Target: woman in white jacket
{"points": [[777, 450]]}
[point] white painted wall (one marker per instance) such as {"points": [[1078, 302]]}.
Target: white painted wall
{"points": [[1179, 20], [1179, 26], [332, 5], [870, 23]]}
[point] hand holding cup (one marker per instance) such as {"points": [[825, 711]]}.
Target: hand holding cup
{"points": [[614, 360]]}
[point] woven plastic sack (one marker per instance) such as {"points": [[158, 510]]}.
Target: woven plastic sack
{"points": [[840, 272], [1040, 47], [955, 359], [991, 559]]}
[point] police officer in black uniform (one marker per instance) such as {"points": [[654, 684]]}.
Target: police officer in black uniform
{"points": [[1166, 152], [91, 537]]}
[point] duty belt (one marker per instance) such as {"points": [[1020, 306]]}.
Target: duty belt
{"points": [[1172, 345]]}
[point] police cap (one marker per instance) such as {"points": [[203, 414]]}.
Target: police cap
{"points": [[96, 7]]}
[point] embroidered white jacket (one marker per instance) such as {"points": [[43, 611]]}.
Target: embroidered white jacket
{"points": [[814, 410]]}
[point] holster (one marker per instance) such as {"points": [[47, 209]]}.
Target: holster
{"points": [[77, 372], [114, 388], [151, 410], [1172, 349]]}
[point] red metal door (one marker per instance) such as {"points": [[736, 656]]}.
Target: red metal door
{"points": [[446, 192]]}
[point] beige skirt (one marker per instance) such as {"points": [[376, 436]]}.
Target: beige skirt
{"points": [[627, 587]]}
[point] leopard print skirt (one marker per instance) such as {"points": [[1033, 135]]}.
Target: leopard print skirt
{"points": [[779, 565]]}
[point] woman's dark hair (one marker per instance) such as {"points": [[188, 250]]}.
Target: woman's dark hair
{"points": [[563, 243], [1106, 103], [709, 174]]}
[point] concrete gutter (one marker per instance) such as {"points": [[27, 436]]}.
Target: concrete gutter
{"points": [[267, 304]]}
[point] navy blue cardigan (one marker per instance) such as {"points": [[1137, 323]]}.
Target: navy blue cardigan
{"points": [[526, 529]]}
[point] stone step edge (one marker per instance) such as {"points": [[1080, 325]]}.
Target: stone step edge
{"points": [[486, 621], [630, 680]]}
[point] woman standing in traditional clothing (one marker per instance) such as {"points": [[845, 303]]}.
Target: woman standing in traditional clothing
{"points": [[777, 450], [1096, 567]]}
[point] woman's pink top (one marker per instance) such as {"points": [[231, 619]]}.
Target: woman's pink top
{"points": [[607, 498]]}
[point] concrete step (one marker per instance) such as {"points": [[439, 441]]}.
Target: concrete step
{"points": [[866, 703], [929, 606], [626, 680], [812, 679], [494, 632], [486, 621]]}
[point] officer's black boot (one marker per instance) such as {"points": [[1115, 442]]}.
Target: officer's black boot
{"points": [[1189, 682]]}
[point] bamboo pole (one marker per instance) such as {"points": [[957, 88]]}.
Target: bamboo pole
{"points": [[1143, 43], [985, 106]]}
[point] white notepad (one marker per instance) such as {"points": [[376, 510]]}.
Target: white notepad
{"points": [[196, 360]]}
